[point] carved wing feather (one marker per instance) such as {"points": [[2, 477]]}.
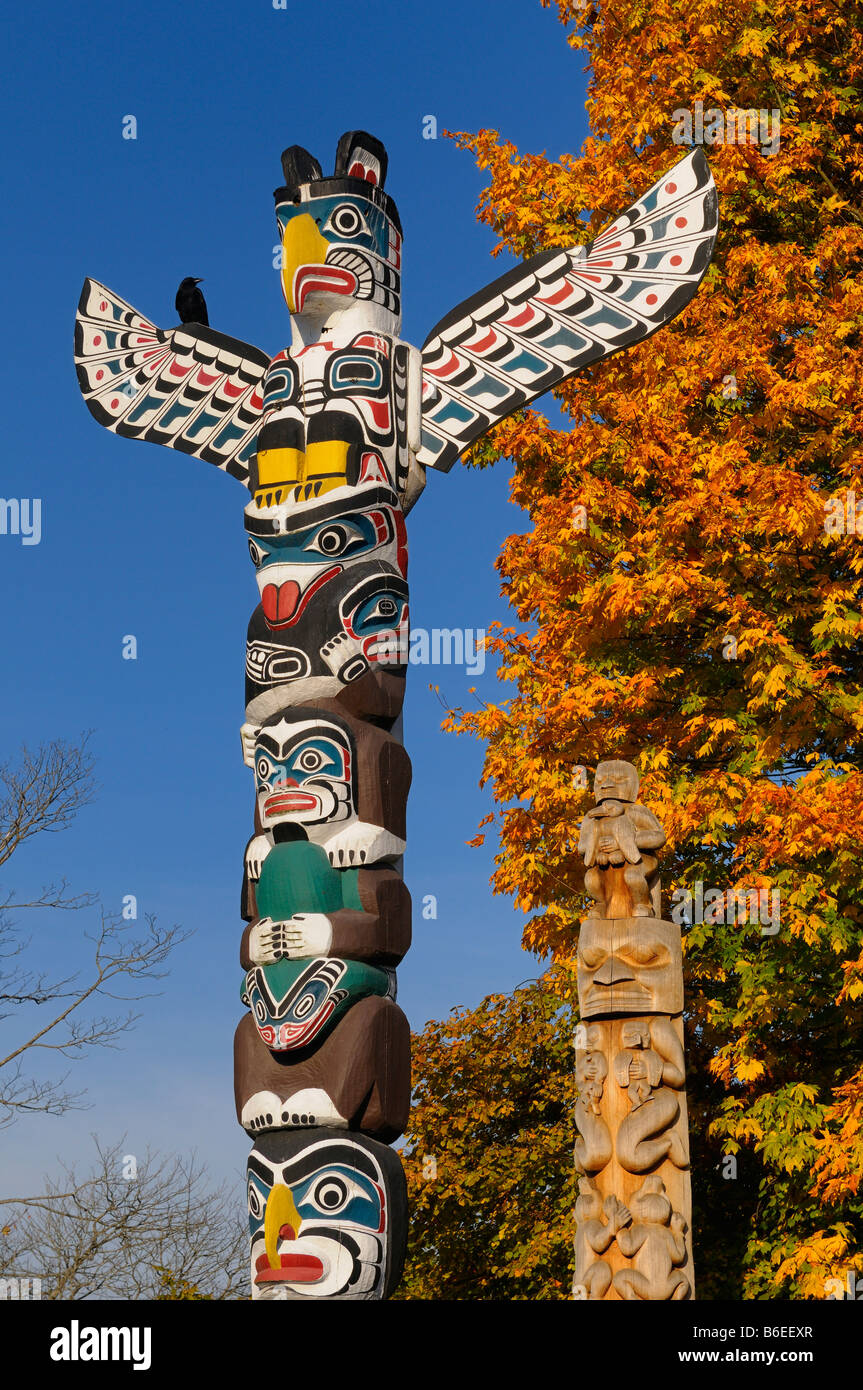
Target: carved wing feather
{"points": [[189, 388], [565, 309]]}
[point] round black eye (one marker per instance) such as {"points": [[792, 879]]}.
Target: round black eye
{"points": [[263, 768], [332, 541], [386, 608], [311, 760], [255, 1207], [346, 220], [330, 1194], [258, 555]]}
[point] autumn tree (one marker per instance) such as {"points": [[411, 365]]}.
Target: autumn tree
{"points": [[688, 596], [488, 1152]]}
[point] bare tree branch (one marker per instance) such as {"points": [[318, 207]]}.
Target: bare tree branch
{"points": [[109, 1234], [41, 792]]}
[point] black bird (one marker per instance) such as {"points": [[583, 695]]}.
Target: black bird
{"points": [[190, 303]]}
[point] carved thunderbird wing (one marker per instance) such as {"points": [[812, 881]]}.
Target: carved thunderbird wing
{"points": [[564, 309], [189, 387]]}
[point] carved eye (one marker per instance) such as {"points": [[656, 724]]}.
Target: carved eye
{"points": [[645, 954], [345, 220], [384, 608], [256, 1208], [335, 539], [263, 768], [593, 956], [311, 760], [258, 555], [330, 1194]]}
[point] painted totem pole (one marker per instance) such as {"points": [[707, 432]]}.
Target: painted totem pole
{"points": [[634, 1208], [332, 438]]}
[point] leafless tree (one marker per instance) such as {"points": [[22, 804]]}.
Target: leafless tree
{"points": [[135, 1227], [40, 793]]}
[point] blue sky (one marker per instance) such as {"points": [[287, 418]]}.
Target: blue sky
{"points": [[145, 541]]}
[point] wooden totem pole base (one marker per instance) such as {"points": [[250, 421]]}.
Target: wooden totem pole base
{"points": [[634, 1205]]}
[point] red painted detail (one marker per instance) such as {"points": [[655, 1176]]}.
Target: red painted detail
{"points": [[583, 275], [97, 338], [99, 374], [401, 544], [256, 400], [295, 1269], [372, 471], [380, 413], [233, 391], [177, 370], [287, 1232], [114, 403], [651, 299], [671, 188], [322, 277], [676, 260], [519, 320], [680, 221], [280, 600], [103, 306], [357, 170], [557, 297], [484, 343], [205, 380], [371, 340], [281, 802], [602, 262], [279, 620], [448, 367]]}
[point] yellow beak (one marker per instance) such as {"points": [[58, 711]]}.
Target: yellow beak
{"points": [[302, 244], [281, 1211]]}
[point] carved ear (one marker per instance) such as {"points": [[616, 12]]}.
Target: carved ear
{"points": [[298, 166], [361, 156]]}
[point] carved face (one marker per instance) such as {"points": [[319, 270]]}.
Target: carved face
{"points": [[615, 780], [327, 1216], [298, 550], [293, 1002], [304, 773], [341, 782], [629, 966]]}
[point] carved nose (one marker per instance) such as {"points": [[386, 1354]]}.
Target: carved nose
{"points": [[613, 972]]}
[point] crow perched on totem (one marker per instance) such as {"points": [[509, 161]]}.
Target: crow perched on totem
{"points": [[190, 303]]}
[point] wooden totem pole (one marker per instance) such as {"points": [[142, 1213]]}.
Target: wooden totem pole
{"points": [[633, 1210], [332, 437]]}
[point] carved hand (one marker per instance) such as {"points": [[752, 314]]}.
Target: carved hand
{"points": [[306, 934], [256, 853]]}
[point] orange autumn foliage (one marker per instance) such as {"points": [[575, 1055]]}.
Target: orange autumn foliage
{"points": [[689, 595]]}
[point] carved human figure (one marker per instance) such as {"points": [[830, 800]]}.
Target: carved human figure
{"points": [[616, 837], [650, 1067], [593, 1148], [597, 1224], [656, 1239]]}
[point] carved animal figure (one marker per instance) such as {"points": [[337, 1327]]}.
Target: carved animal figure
{"points": [[656, 1239]]}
